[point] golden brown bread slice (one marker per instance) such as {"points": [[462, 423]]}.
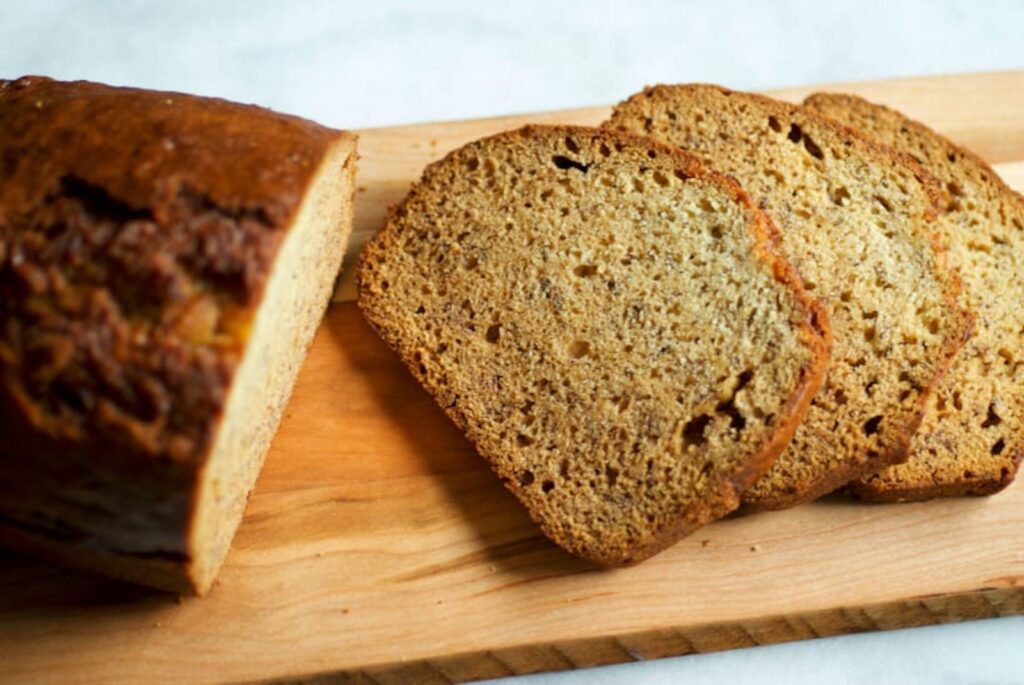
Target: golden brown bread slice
{"points": [[971, 441], [855, 222], [608, 322], [164, 263]]}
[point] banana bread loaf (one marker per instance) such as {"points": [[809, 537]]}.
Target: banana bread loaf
{"points": [[164, 263]]}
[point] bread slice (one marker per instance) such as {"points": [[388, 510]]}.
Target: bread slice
{"points": [[970, 442], [607, 321], [164, 263], [856, 224]]}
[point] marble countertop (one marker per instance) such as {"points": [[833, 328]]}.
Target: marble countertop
{"points": [[383, 63]]}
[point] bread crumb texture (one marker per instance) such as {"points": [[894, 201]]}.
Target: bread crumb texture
{"points": [[855, 222], [969, 442], [607, 322]]}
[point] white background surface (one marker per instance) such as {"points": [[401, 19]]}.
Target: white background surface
{"points": [[379, 63]]}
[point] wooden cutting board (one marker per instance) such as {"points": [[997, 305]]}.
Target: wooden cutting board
{"points": [[378, 548]]}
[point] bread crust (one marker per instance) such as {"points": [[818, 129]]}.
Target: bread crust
{"points": [[724, 495], [867, 490], [138, 230]]}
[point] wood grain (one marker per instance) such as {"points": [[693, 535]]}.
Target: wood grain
{"points": [[377, 547]]}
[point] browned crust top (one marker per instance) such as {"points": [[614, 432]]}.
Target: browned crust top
{"points": [[137, 231]]}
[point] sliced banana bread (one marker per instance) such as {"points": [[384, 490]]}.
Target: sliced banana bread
{"points": [[856, 223], [971, 441], [164, 263], [609, 323]]}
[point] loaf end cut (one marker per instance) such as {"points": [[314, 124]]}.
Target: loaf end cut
{"points": [[164, 263]]}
